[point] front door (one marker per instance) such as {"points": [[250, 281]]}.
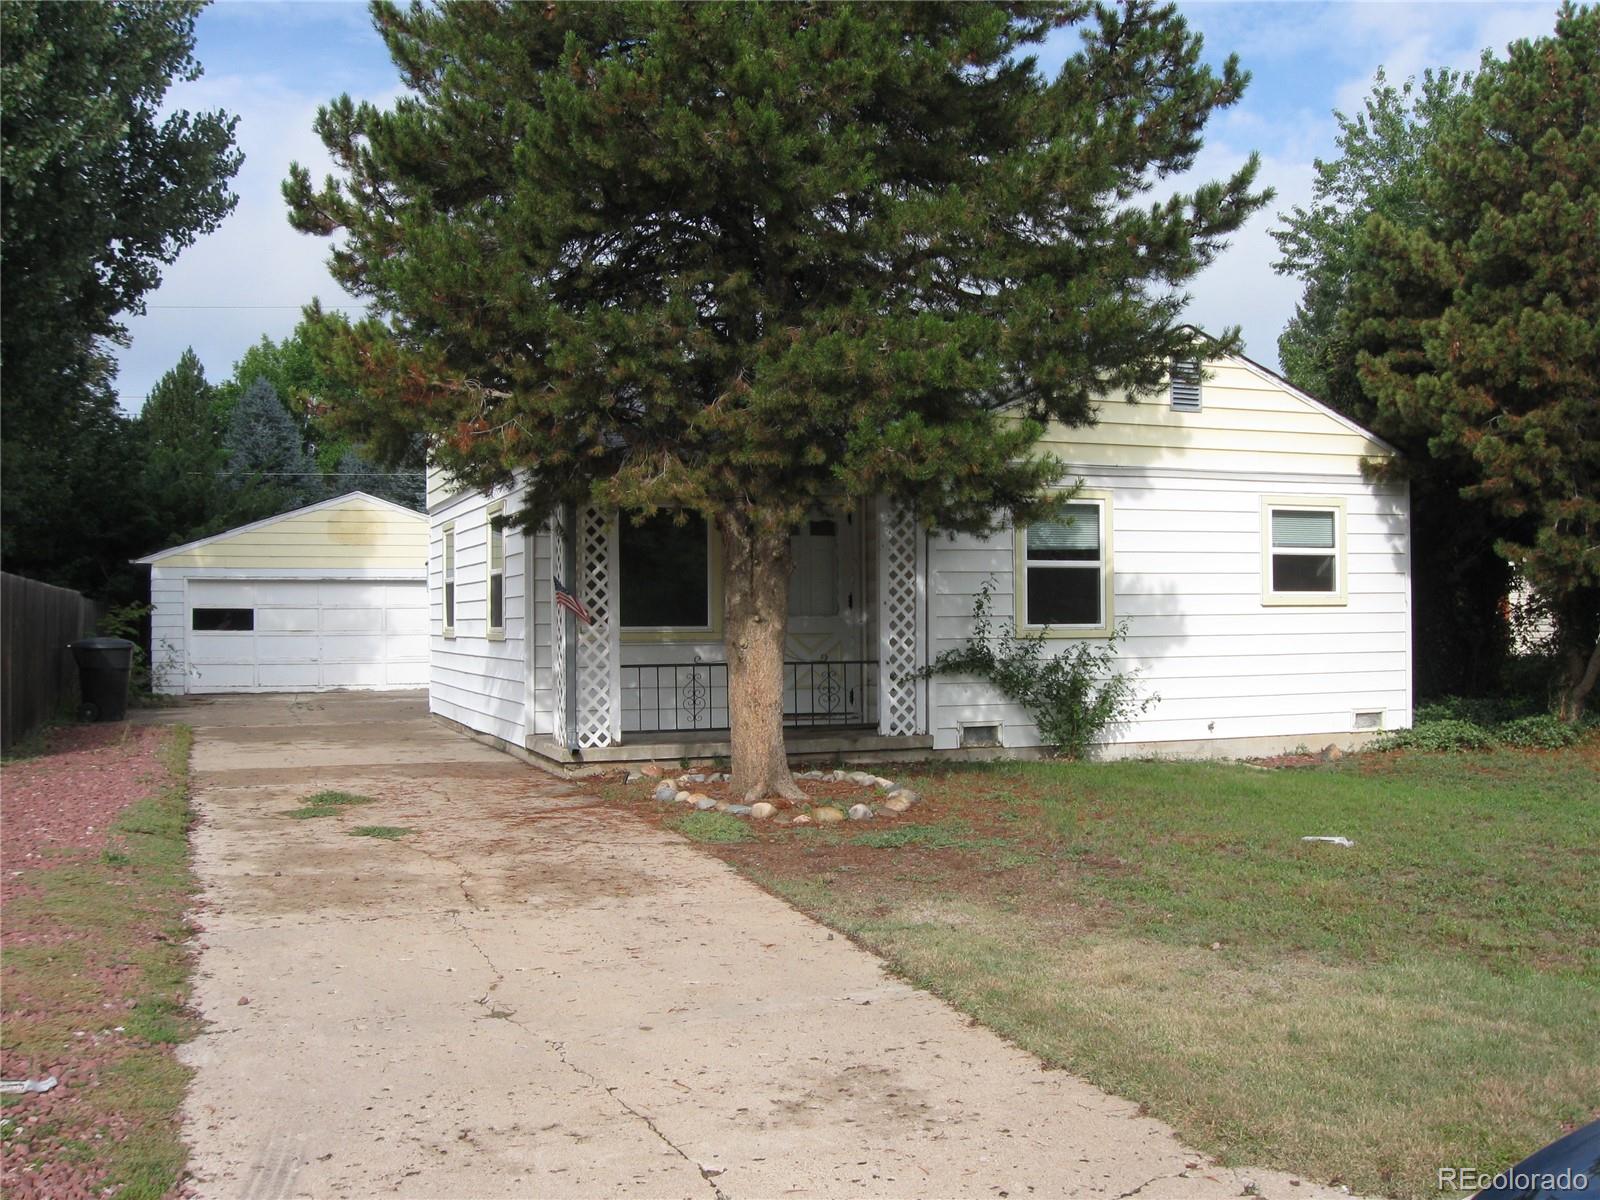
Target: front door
{"points": [[827, 682]]}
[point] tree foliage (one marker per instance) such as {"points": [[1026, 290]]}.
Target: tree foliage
{"points": [[1460, 636], [99, 190], [1479, 326], [180, 436], [752, 258], [267, 469]]}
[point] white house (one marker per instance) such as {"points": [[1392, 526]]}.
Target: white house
{"points": [[1263, 582], [333, 595]]}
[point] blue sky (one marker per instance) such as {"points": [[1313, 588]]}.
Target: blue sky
{"points": [[272, 62]]}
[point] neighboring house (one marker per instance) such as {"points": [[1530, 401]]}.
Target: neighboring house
{"points": [[333, 595], [1263, 581]]}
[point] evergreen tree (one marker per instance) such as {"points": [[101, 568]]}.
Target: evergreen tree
{"points": [[268, 470], [749, 258], [183, 456], [1460, 636], [99, 190], [1480, 329]]}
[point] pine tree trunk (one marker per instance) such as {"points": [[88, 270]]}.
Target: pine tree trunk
{"points": [[1581, 679], [756, 566]]}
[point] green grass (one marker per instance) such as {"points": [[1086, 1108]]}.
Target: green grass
{"points": [[105, 911], [326, 804], [711, 826], [387, 832], [1423, 998]]}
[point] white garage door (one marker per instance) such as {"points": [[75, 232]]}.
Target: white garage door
{"points": [[293, 635]]}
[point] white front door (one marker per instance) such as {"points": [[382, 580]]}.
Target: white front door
{"points": [[827, 683]]}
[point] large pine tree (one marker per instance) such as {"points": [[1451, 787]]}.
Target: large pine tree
{"points": [[1480, 328], [180, 435], [747, 258]]}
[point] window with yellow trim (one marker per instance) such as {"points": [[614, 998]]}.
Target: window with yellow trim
{"points": [[1063, 569], [497, 570], [449, 576]]}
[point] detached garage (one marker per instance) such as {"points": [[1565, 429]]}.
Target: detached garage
{"points": [[334, 595]]}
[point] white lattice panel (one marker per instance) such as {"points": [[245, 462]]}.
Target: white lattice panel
{"points": [[900, 600], [560, 618], [597, 682]]}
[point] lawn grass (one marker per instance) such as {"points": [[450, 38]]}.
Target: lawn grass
{"points": [[106, 948], [388, 833], [1428, 997], [717, 828]]}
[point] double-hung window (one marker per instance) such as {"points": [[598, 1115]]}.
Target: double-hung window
{"points": [[496, 534], [449, 576], [1304, 552], [1065, 575]]}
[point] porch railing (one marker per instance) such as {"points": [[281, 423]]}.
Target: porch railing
{"points": [[693, 697]]}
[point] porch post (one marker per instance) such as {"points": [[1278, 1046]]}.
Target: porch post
{"points": [[598, 673], [902, 609], [562, 657]]}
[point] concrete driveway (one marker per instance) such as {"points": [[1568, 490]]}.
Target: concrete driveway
{"points": [[532, 995]]}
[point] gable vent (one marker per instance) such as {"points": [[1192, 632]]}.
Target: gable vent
{"points": [[1186, 386]]}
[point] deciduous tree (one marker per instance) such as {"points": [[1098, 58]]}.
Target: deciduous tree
{"points": [[751, 258]]}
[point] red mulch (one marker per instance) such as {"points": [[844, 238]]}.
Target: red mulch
{"points": [[64, 800], [55, 811]]}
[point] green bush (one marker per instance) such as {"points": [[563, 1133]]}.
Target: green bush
{"points": [[1073, 696], [1543, 732], [1438, 735], [1487, 711]]}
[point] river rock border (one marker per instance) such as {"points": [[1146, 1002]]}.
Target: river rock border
{"points": [[887, 796]]}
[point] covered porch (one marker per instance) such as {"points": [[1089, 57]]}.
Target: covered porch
{"points": [[648, 677]]}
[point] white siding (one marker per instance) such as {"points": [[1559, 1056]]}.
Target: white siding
{"points": [[169, 625], [481, 682], [1186, 564]]}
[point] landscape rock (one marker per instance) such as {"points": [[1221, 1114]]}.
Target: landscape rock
{"points": [[826, 815], [812, 775], [862, 779], [802, 819], [665, 792], [635, 776], [653, 770], [683, 797], [739, 810], [880, 781], [860, 812], [910, 797], [695, 778], [1332, 753], [702, 802], [761, 810], [896, 802]]}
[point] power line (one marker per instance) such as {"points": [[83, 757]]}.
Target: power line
{"points": [[242, 307]]}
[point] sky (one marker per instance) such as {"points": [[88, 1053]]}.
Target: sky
{"points": [[274, 62]]}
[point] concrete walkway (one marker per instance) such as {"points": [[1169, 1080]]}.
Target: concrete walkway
{"points": [[535, 996]]}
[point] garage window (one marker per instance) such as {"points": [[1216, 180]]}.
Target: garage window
{"points": [[449, 581], [497, 570], [223, 620]]}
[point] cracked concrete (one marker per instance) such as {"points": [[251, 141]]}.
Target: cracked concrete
{"points": [[535, 996]]}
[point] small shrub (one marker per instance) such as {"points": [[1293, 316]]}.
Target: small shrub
{"points": [[388, 833], [1487, 711], [1438, 735], [1073, 695], [1538, 733], [326, 804]]}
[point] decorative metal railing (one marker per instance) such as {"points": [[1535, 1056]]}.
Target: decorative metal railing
{"points": [[693, 697]]}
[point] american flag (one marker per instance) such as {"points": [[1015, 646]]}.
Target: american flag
{"points": [[567, 600]]}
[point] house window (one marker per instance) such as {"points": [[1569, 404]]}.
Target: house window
{"points": [[449, 574], [1065, 570], [1185, 392], [664, 572], [1304, 550], [497, 569], [223, 620]]}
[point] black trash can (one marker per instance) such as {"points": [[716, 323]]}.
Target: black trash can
{"points": [[103, 667]]}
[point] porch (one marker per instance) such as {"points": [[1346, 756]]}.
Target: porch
{"points": [[648, 677]]}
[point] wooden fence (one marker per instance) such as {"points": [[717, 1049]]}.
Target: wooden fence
{"points": [[38, 678]]}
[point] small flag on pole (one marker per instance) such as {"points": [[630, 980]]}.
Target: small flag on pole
{"points": [[567, 600]]}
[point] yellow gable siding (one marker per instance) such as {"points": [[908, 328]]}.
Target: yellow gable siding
{"points": [[358, 534], [1246, 422]]}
